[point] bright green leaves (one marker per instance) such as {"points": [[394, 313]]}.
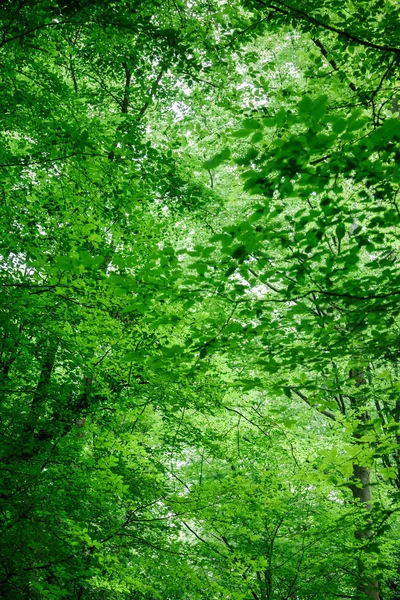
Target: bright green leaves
{"points": [[251, 127], [251, 124], [78, 263], [241, 133], [257, 137], [201, 332]]}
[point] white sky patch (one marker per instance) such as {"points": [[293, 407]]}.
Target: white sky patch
{"points": [[41, 230], [260, 291], [178, 108]]}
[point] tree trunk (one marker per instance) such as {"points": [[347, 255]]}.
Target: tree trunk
{"points": [[367, 586]]}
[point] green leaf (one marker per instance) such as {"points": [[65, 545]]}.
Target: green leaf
{"points": [[241, 133], [240, 252], [251, 124], [340, 231]]}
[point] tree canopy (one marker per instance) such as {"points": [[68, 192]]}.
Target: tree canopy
{"points": [[200, 343]]}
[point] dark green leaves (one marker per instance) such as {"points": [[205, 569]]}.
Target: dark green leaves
{"points": [[312, 111], [218, 159]]}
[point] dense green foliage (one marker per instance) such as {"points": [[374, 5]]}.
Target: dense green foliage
{"points": [[199, 310]]}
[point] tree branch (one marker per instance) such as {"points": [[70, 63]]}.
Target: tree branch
{"points": [[152, 92], [306, 17], [325, 412]]}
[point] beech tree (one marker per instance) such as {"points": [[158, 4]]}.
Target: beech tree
{"points": [[199, 308]]}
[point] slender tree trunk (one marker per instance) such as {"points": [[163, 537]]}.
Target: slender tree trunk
{"points": [[34, 432], [367, 586], [45, 374]]}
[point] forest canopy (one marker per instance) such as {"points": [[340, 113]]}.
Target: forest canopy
{"points": [[200, 285]]}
